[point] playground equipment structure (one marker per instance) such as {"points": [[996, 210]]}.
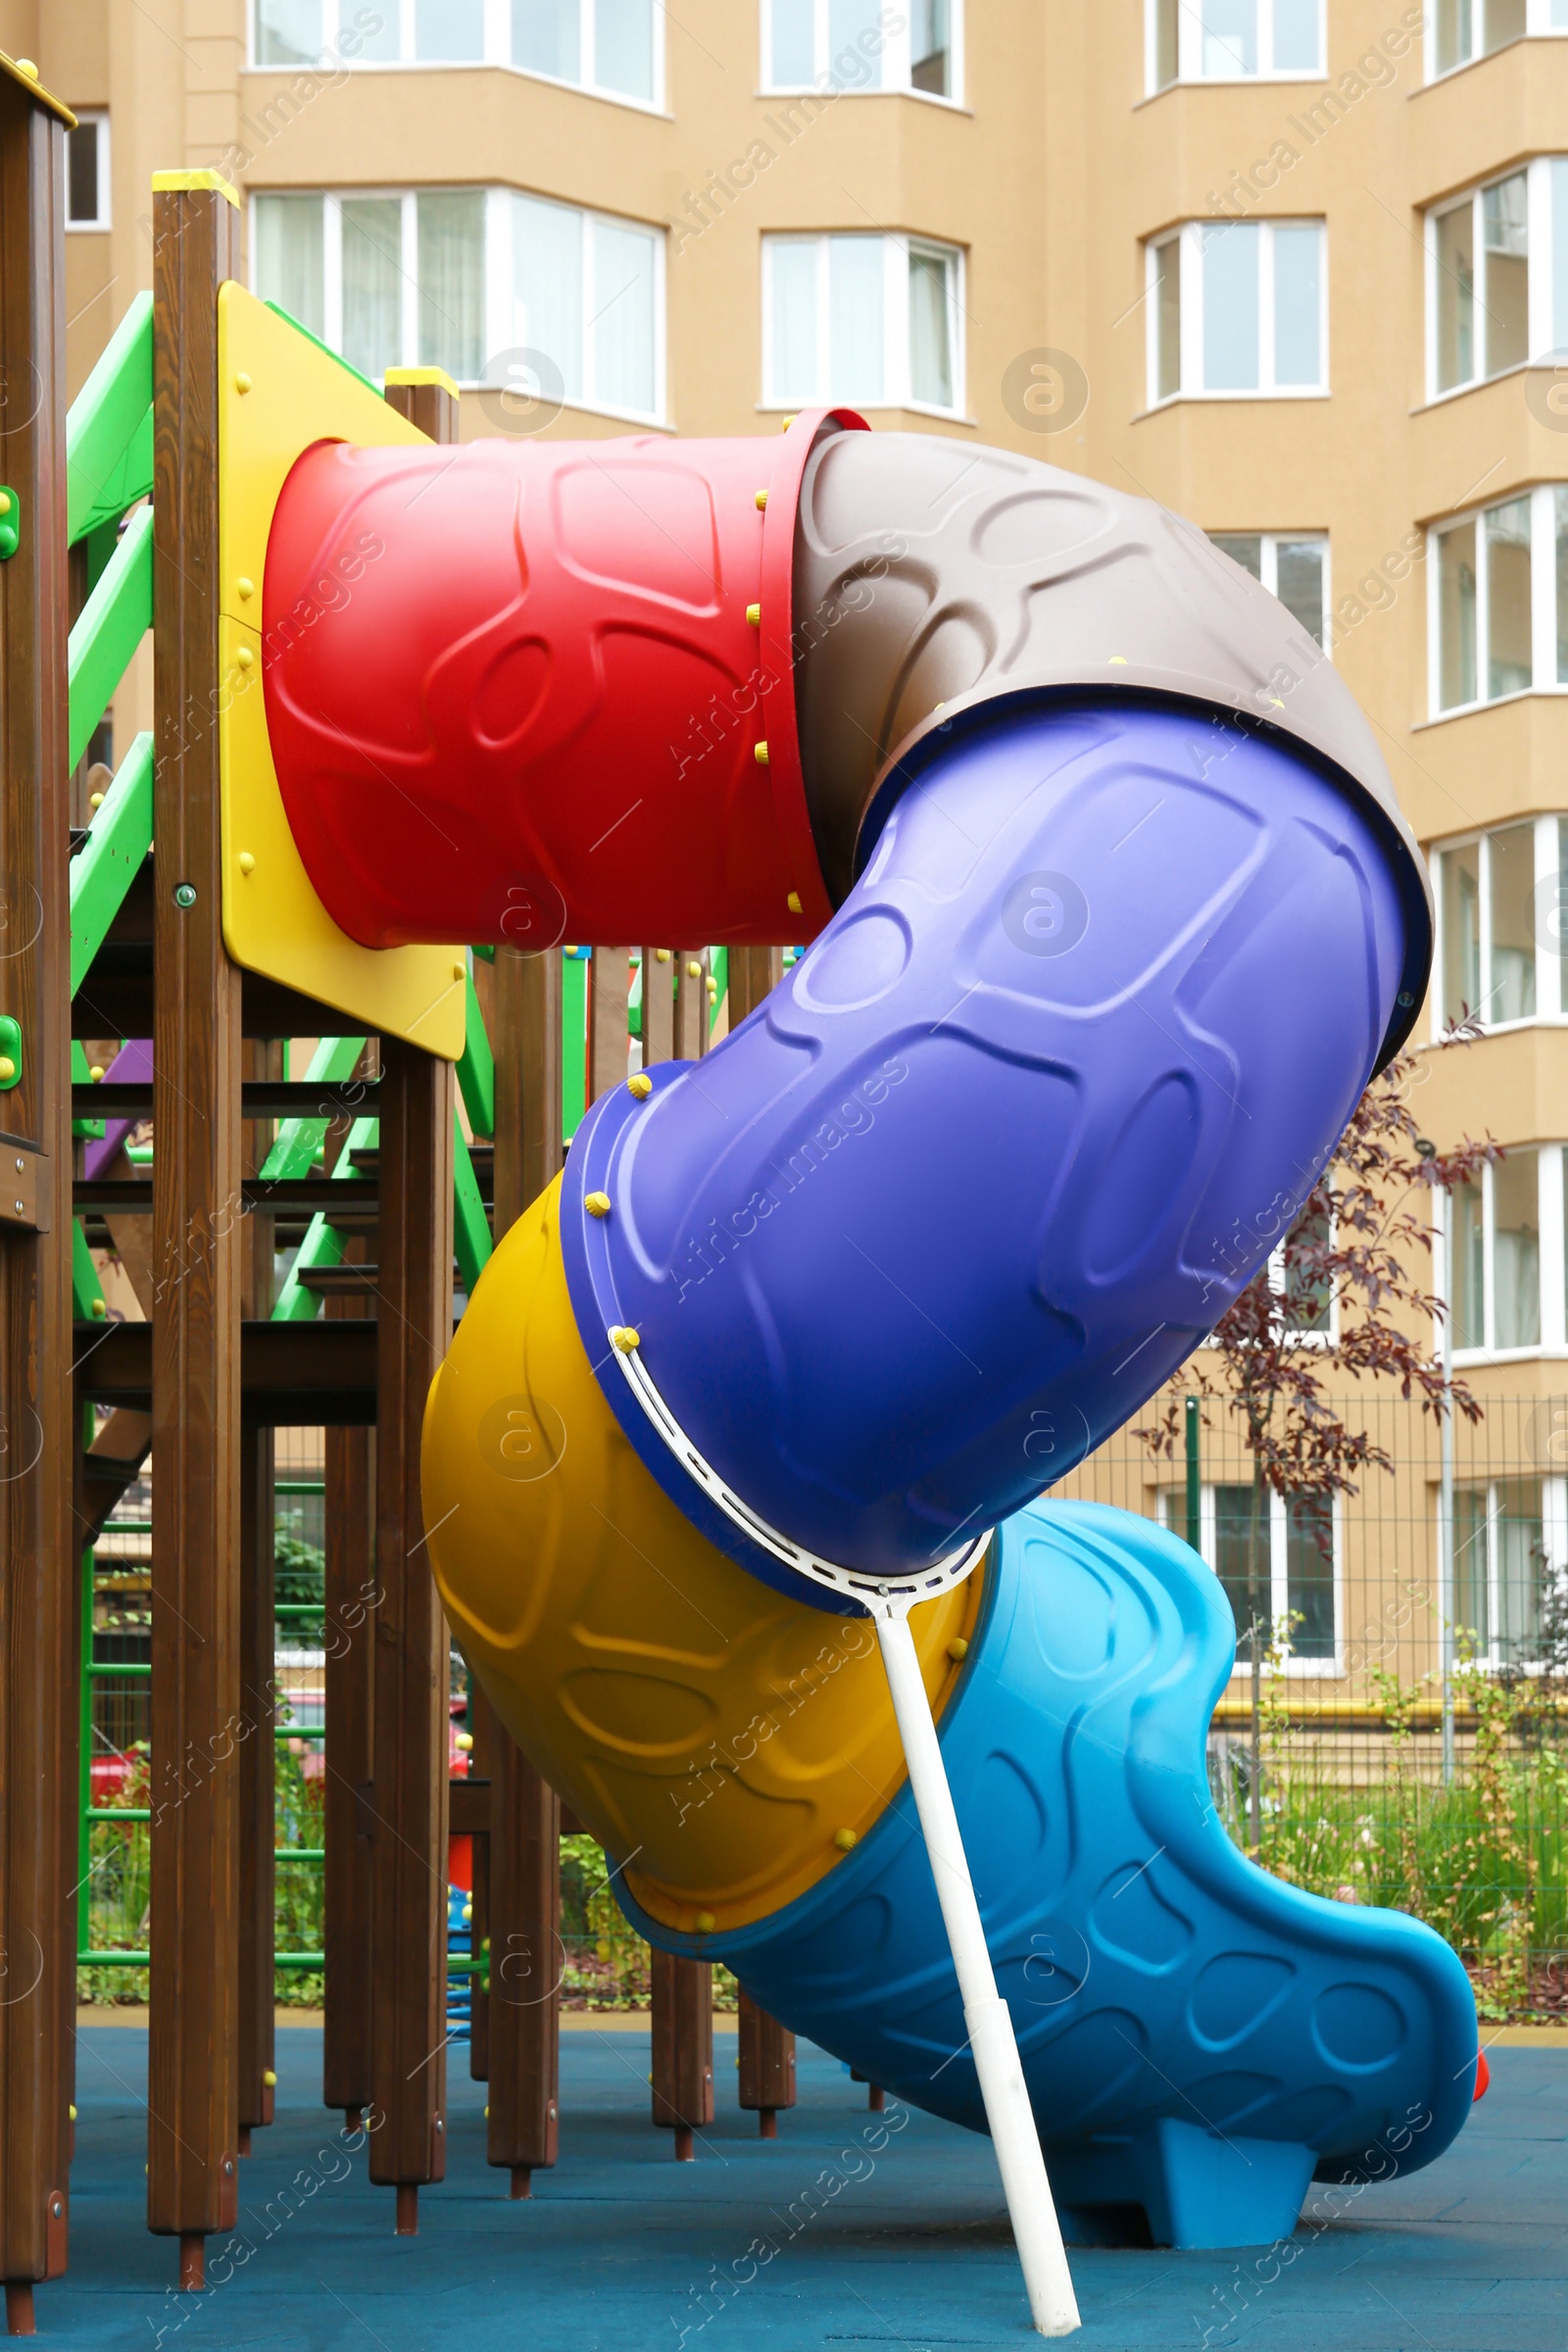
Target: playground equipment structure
{"points": [[936, 712]]}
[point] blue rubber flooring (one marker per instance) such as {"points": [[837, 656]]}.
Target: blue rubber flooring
{"points": [[848, 2229]]}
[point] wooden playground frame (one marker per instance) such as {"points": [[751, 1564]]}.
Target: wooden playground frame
{"points": [[118, 933]]}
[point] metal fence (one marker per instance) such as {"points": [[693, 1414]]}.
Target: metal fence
{"points": [[1401, 1735]]}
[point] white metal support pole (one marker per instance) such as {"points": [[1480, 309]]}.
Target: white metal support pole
{"points": [[1036, 2231], [1446, 1600]]}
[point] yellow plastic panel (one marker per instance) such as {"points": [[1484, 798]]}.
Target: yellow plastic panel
{"points": [[279, 393], [731, 1742]]}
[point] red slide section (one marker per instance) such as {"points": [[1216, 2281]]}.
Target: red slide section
{"points": [[463, 740]]}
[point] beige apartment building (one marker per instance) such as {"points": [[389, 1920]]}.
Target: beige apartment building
{"points": [[1296, 267]]}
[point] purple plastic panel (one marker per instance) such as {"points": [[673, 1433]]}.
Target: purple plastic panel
{"points": [[1012, 1135]]}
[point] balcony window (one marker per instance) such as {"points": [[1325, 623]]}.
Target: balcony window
{"points": [[609, 46], [1498, 602], [1233, 40], [1497, 276], [447, 277], [873, 321], [1458, 31], [1500, 930], [1293, 568], [1501, 1567], [838, 45], [1237, 309], [1284, 1571], [1506, 1259]]}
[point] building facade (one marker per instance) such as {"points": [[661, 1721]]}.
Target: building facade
{"points": [[1296, 267]]}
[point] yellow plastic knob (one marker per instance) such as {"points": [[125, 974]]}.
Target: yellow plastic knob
{"points": [[597, 1203]]}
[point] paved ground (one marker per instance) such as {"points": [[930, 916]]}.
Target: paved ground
{"points": [[821, 2238]]}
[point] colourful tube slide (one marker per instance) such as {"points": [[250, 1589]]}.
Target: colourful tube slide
{"points": [[1111, 915]]}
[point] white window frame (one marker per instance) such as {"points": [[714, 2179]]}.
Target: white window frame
{"points": [[1552, 978], [97, 118], [1173, 1516], [1555, 1568], [1190, 50], [498, 280], [1538, 26], [1271, 543], [1553, 1340], [896, 250], [897, 62], [1188, 237], [1543, 605], [1538, 241], [337, 19]]}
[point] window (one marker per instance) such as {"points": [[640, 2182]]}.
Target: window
{"points": [[609, 46], [1233, 40], [1288, 1582], [1237, 307], [1294, 569], [1502, 941], [88, 173], [1498, 602], [1503, 1561], [863, 45], [1497, 276], [873, 321], [1505, 1256], [445, 276], [1462, 31]]}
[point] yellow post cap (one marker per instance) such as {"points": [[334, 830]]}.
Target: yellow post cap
{"points": [[193, 183], [421, 376]]}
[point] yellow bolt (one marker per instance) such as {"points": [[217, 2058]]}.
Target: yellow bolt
{"points": [[759, 754], [8, 1068], [788, 421], [270, 2080], [247, 588], [957, 1649], [95, 800], [247, 863], [792, 902], [25, 65], [640, 1084], [762, 501], [245, 658], [459, 971], [597, 1204], [845, 1838], [622, 1335], [487, 2114], [694, 971], [95, 1071], [569, 950], [99, 1309], [74, 2111], [467, 1911], [1118, 661], [242, 382], [753, 614], [662, 955], [464, 1741], [706, 1922]]}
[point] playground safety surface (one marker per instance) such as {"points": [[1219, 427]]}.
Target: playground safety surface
{"points": [[620, 2249]]}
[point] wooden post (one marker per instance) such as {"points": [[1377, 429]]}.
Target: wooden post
{"points": [[525, 1861], [690, 1016], [260, 1057], [683, 2047], [659, 1005], [38, 1565], [609, 989], [192, 2183], [484, 1732], [348, 1818], [768, 2066], [752, 973], [258, 1809]]}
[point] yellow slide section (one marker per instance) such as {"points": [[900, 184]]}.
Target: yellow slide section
{"points": [[729, 1743]]}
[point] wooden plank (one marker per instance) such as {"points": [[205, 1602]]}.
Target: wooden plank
{"points": [[38, 1573], [524, 1843], [659, 1005], [258, 1809], [408, 1909], [752, 973], [768, 2066], [192, 2183], [691, 1006], [609, 989], [683, 2047], [470, 1800], [302, 1375], [349, 1828]]}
